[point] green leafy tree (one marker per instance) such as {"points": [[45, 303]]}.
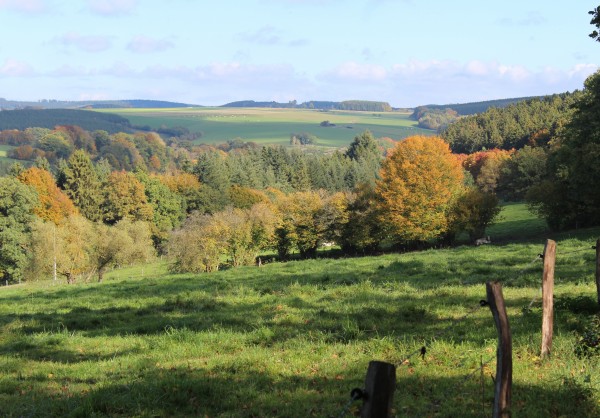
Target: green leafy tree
{"points": [[569, 197], [363, 232], [473, 212], [17, 203], [168, 208], [526, 168], [596, 22]]}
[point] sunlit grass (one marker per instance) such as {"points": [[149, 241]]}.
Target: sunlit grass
{"points": [[292, 340], [274, 126]]}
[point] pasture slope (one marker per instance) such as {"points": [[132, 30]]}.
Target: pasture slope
{"points": [[292, 339], [274, 126]]}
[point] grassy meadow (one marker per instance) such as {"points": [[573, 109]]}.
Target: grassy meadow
{"points": [[274, 126], [292, 339]]}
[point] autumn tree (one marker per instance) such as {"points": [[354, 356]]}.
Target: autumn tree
{"points": [[198, 245], [125, 198], [185, 185], [125, 243], [420, 179], [69, 245], [54, 205]]}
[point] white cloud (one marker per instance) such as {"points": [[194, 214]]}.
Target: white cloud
{"points": [[25, 6], [16, 68], [358, 72], [111, 7], [85, 43], [144, 44]]}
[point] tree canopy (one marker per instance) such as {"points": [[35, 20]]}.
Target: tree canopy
{"points": [[419, 181]]}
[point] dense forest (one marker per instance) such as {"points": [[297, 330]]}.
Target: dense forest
{"points": [[85, 201], [530, 122]]}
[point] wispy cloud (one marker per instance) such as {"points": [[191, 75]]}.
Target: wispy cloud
{"points": [[533, 18], [267, 35], [85, 43], [111, 7], [144, 44]]}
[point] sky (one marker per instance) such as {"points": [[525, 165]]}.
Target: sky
{"points": [[405, 52]]}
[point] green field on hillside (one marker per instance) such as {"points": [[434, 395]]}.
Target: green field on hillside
{"points": [[274, 126], [292, 339]]}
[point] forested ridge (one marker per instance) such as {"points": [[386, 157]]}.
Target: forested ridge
{"points": [[49, 118]]}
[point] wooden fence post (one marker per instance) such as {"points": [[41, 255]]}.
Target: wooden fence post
{"points": [[548, 297], [503, 384], [598, 269], [380, 384]]}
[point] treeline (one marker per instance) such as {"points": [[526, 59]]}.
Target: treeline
{"points": [[530, 122], [550, 156], [22, 119], [351, 105], [233, 163]]}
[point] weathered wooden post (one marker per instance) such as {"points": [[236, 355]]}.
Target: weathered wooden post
{"points": [[548, 297], [598, 269], [503, 385], [380, 384]]}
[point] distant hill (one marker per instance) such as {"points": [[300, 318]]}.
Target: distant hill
{"points": [[49, 118], [473, 108], [360, 105], [92, 104]]}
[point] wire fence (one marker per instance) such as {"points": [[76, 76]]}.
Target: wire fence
{"points": [[357, 394]]}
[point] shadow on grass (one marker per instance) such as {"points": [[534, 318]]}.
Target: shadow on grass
{"points": [[241, 391]]}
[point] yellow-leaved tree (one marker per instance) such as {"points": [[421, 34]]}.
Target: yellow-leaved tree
{"points": [[419, 181]]}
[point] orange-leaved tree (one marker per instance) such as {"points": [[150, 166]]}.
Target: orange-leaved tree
{"points": [[54, 205], [419, 180]]}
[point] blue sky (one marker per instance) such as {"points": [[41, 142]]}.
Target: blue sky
{"points": [[405, 52]]}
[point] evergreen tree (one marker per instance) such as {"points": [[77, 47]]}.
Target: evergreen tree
{"points": [[80, 182]]}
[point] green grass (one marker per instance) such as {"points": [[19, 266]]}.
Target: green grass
{"points": [[292, 340], [4, 150], [274, 126]]}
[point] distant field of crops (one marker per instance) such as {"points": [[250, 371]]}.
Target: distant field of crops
{"points": [[274, 126]]}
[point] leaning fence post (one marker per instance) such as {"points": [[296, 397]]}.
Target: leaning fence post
{"points": [[598, 269], [503, 385], [380, 384], [548, 297]]}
